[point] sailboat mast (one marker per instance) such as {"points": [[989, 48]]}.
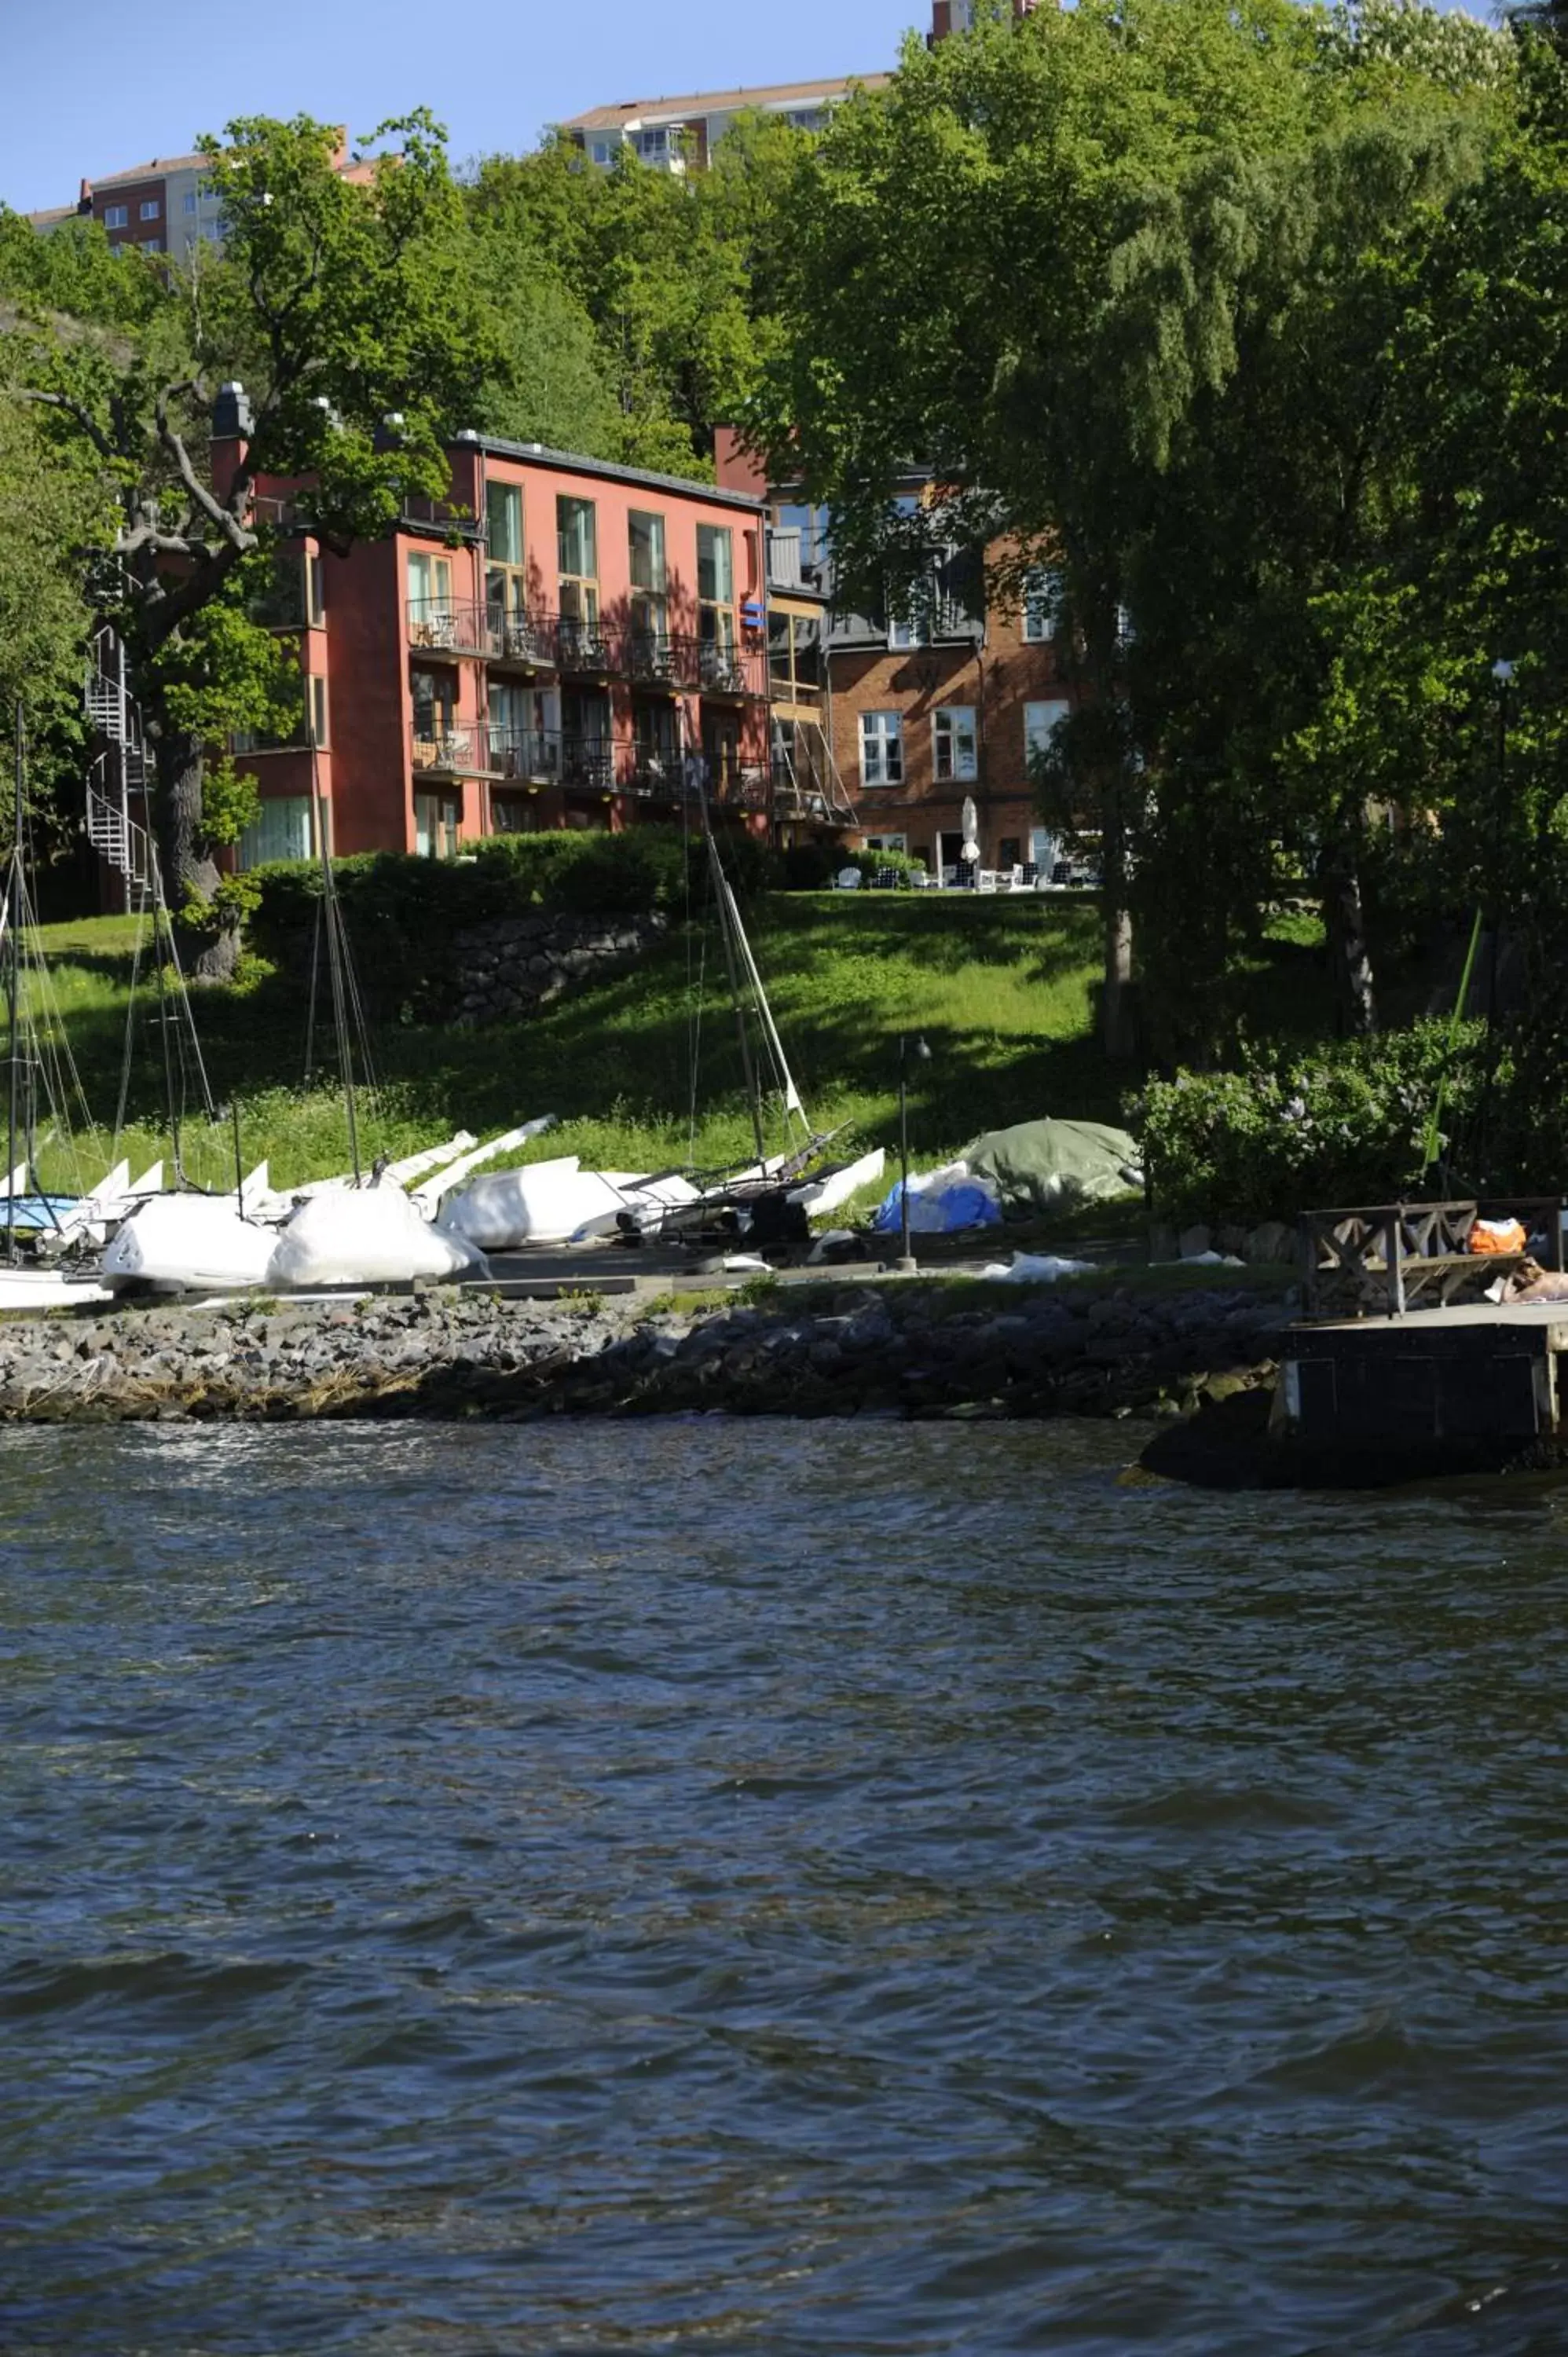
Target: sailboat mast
{"points": [[13, 901], [697, 774], [335, 962]]}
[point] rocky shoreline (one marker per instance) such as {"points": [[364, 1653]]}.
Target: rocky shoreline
{"points": [[911, 1348]]}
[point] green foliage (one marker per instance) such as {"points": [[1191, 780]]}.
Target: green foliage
{"points": [[1291, 1132], [230, 800]]}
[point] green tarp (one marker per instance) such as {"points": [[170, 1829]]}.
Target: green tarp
{"points": [[1040, 1165]]}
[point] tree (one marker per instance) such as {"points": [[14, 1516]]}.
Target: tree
{"points": [[1043, 261], [49, 518], [338, 303]]}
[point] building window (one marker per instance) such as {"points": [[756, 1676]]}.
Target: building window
{"points": [[881, 748], [794, 657], [280, 830], [908, 629], [151, 210], [152, 245], [808, 118], [953, 746], [432, 621], [715, 600], [315, 593], [1040, 723], [116, 216], [656, 147], [188, 202], [603, 151], [810, 522], [577, 560], [316, 688], [650, 615], [435, 825], [1042, 596], [887, 843], [505, 583]]}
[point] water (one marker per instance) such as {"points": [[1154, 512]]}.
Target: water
{"points": [[778, 1889]]}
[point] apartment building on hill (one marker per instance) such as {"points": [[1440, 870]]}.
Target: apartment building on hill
{"points": [[677, 135], [165, 206]]}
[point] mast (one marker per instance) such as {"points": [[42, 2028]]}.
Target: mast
{"points": [[12, 903], [334, 916]]}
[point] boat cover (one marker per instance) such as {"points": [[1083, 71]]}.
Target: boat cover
{"points": [[364, 1235], [537, 1203], [1039, 1166], [189, 1244]]}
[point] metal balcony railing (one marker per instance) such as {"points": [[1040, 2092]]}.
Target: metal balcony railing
{"points": [[587, 764], [654, 774], [741, 786], [512, 637], [581, 646], [531, 753], [443, 748], [438, 626], [726, 669]]}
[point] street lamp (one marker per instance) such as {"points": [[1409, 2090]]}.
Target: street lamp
{"points": [[923, 1055]]}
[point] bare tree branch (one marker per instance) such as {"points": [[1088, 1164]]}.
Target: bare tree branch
{"points": [[221, 517]]}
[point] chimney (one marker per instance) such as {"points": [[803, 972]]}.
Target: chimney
{"points": [[231, 412]]}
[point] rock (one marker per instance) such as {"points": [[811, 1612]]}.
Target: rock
{"points": [[1193, 1243], [1270, 1241]]}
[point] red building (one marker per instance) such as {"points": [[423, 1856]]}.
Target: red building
{"points": [[546, 647]]}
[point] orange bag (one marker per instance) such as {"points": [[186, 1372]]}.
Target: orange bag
{"points": [[1496, 1236]]}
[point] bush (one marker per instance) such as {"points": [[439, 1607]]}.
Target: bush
{"points": [[404, 915], [1293, 1132]]}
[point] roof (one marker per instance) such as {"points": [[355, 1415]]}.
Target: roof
{"points": [[633, 111], [151, 170], [539, 455], [51, 216]]}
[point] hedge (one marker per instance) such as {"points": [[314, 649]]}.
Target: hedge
{"points": [[405, 914], [1293, 1132]]}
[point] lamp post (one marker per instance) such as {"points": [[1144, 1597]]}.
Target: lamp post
{"points": [[923, 1055]]}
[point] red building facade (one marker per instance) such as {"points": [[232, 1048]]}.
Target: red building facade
{"points": [[547, 647]]}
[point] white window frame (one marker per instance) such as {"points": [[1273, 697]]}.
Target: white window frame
{"points": [[1042, 594], [887, 843], [151, 209], [188, 202], [955, 738], [882, 748], [1037, 733], [116, 217]]}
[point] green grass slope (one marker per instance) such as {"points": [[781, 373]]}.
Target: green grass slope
{"points": [[643, 1068]]}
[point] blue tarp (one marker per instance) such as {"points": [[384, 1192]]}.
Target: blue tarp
{"points": [[938, 1207]]}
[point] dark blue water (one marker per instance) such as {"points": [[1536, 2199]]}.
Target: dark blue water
{"points": [[782, 1888]]}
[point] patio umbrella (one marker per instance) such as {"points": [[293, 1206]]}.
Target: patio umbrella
{"points": [[970, 823]]}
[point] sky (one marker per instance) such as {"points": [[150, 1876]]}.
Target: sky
{"points": [[93, 88]]}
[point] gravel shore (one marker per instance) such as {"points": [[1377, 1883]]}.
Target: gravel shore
{"points": [[909, 1348]]}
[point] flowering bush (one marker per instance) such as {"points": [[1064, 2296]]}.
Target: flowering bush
{"points": [[1292, 1132]]}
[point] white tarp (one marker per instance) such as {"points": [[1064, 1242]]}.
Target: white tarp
{"points": [[822, 1195], [190, 1243], [364, 1235], [539, 1203]]}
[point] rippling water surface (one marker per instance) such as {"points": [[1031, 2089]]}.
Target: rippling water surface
{"points": [[772, 1888]]}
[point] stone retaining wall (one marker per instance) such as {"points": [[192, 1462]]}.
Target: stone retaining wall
{"points": [[512, 965], [908, 1349]]}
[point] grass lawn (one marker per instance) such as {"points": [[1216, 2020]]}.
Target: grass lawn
{"points": [[641, 1069]]}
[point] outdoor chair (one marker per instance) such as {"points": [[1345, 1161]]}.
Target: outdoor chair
{"points": [[1029, 875], [847, 880]]}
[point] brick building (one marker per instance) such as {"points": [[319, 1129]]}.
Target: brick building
{"points": [[923, 712], [166, 205], [543, 648]]}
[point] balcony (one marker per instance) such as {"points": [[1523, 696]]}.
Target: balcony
{"points": [[655, 773], [443, 751], [654, 659], [582, 647], [526, 639], [435, 625], [732, 671], [587, 765], [530, 754], [746, 788]]}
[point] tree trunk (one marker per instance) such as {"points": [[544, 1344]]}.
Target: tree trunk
{"points": [[189, 870], [1345, 928], [1116, 1027]]}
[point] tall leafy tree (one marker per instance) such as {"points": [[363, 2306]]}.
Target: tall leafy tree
{"points": [[339, 305], [1042, 260]]}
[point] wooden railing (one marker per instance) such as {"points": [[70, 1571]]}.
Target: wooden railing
{"points": [[1388, 1258]]}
